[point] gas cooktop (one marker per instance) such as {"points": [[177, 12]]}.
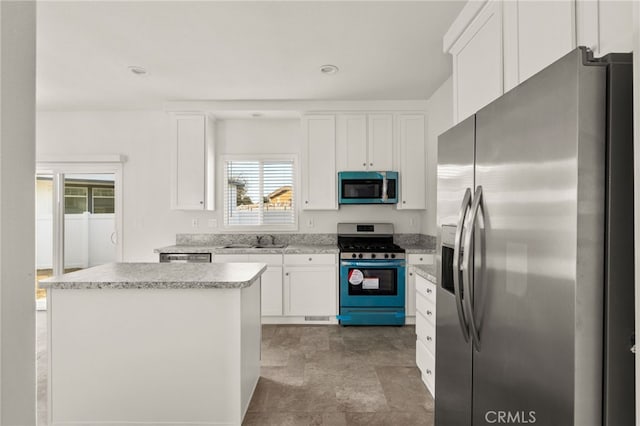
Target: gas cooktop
{"points": [[368, 241]]}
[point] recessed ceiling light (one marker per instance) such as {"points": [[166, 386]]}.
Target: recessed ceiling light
{"points": [[328, 69], [137, 70]]}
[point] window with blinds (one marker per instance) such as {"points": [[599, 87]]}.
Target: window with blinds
{"points": [[259, 193]]}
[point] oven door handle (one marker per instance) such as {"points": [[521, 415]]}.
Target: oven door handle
{"points": [[373, 263]]}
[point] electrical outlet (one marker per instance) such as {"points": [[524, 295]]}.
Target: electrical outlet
{"points": [[309, 222], [212, 223], [412, 222], [194, 223]]}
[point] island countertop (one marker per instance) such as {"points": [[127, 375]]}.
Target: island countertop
{"points": [[159, 275]]}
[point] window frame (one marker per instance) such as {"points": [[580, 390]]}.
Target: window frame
{"points": [[224, 159]]}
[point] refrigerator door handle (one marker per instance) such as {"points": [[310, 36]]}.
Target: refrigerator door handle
{"points": [[457, 276], [467, 268]]}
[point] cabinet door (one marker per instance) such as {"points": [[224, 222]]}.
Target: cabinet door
{"points": [[605, 26], [380, 145], [412, 162], [319, 163], [410, 291], [351, 142], [536, 35], [477, 62], [272, 291], [191, 163], [230, 258], [310, 290]]}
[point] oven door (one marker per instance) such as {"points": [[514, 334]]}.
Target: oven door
{"points": [[372, 283]]}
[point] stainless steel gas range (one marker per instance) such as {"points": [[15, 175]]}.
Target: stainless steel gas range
{"points": [[372, 275]]}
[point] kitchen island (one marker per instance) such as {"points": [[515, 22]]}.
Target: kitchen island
{"points": [[152, 343]]}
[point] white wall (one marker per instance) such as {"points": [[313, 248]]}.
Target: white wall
{"points": [[439, 119], [143, 137], [17, 213]]}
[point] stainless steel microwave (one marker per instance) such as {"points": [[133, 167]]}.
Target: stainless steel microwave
{"points": [[368, 187]]}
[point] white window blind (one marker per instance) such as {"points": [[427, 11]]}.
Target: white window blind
{"points": [[259, 193]]}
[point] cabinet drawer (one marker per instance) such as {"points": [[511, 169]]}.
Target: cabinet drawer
{"points": [[426, 333], [310, 259], [269, 259], [429, 373], [426, 308], [420, 259], [421, 356], [426, 289], [226, 258]]}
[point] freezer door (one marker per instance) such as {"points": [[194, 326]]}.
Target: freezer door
{"points": [[538, 276], [453, 353]]}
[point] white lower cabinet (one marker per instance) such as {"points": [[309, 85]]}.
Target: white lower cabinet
{"points": [[310, 285], [425, 295], [414, 259], [271, 280]]}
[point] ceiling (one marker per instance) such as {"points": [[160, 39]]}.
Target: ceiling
{"points": [[238, 50]]}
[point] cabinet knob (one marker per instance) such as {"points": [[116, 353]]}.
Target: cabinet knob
{"points": [[201, 202], [410, 274], [306, 202], [371, 164], [364, 164], [310, 259], [428, 290], [429, 313], [404, 202], [421, 259], [429, 338], [286, 274], [428, 372]]}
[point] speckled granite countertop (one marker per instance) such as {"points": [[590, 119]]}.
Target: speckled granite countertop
{"points": [[159, 275], [415, 249], [291, 249], [428, 272]]}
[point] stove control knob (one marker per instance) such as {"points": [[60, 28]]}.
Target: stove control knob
{"points": [[360, 256], [393, 256], [353, 255], [373, 255], [386, 255]]}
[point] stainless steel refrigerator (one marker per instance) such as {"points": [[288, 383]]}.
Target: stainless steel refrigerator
{"points": [[535, 253]]}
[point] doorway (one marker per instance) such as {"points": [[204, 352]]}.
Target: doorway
{"points": [[78, 219]]}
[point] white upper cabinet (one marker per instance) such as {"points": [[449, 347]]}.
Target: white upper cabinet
{"points": [[411, 144], [319, 163], [536, 34], [477, 62], [380, 146], [192, 162], [498, 44], [365, 142], [352, 142], [605, 26]]}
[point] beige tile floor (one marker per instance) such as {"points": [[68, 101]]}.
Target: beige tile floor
{"points": [[323, 375]]}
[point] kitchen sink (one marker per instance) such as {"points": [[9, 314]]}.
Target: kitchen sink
{"points": [[258, 246]]}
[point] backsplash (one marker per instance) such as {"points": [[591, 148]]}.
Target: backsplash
{"points": [[409, 240]]}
